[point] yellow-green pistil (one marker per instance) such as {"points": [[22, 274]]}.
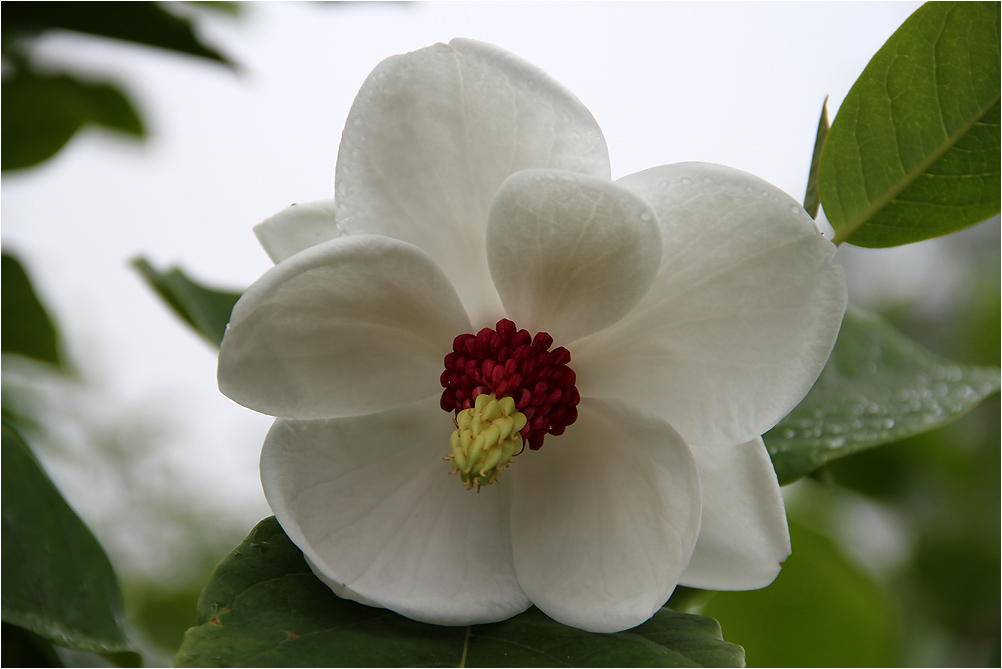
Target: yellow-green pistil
{"points": [[485, 439]]}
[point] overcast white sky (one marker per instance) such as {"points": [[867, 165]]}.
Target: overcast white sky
{"points": [[734, 83]]}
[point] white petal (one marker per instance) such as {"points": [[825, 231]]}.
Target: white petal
{"points": [[371, 504], [744, 536], [431, 136], [604, 518], [352, 326], [570, 254], [741, 317], [296, 228]]}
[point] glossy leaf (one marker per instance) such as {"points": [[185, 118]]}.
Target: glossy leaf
{"points": [[878, 387], [822, 611], [146, 23], [811, 198], [914, 150], [57, 580], [205, 309], [41, 113], [263, 606], [27, 328]]}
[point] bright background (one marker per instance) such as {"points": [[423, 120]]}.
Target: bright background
{"points": [[161, 465]]}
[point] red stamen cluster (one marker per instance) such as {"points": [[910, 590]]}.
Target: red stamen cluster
{"points": [[510, 362]]}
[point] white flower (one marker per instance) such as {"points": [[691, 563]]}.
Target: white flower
{"points": [[698, 304]]}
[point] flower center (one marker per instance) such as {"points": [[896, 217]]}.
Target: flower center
{"points": [[486, 437], [505, 364]]}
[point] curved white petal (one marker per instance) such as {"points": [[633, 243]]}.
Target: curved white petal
{"points": [[604, 518], [433, 133], [296, 228], [744, 537], [371, 504], [353, 326], [570, 254], [742, 315]]}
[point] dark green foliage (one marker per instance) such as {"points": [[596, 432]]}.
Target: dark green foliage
{"points": [[146, 23], [27, 328], [57, 580], [205, 309], [41, 113], [264, 607]]}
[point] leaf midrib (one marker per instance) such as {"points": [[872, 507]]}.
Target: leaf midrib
{"points": [[910, 178]]}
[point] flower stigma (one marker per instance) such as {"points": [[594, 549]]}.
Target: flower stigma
{"points": [[506, 387], [485, 439]]}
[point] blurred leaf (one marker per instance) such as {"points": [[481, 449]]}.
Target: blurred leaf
{"points": [[811, 199], [57, 580], [146, 23], [914, 150], [878, 387], [263, 606], [215, 6], [821, 611], [22, 648], [163, 612], [42, 113], [27, 328], [205, 309]]}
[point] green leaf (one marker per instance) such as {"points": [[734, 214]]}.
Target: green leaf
{"points": [[42, 113], [57, 580], [22, 648], [822, 611], [205, 309], [27, 329], [146, 23], [914, 150], [878, 387], [264, 607], [811, 198]]}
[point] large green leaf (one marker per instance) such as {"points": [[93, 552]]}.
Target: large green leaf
{"points": [[205, 309], [822, 611], [878, 387], [146, 23], [57, 580], [27, 328], [41, 113], [914, 150], [264, 607]]}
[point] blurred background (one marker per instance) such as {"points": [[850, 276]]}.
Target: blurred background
{"points": [[896, 551]]}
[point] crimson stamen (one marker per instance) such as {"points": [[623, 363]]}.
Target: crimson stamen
{"points": [[507, 361]]}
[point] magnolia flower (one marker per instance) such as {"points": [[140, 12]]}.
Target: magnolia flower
{"points": [[593, 361]]}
